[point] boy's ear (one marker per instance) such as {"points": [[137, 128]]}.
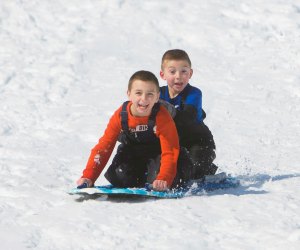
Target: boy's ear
{"points": [[162, 75], [158, 97], [128, 93], [191, 73]]}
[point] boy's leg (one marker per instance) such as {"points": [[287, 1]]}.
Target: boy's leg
{"points": [[201, 146], [184, 169], [202, 158], [153, 167], [126, 170]]}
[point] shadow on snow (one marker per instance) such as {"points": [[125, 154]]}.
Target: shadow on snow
{"points": [[252, 184]]}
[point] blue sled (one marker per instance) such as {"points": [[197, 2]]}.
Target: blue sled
{"points": [[194, 187]]}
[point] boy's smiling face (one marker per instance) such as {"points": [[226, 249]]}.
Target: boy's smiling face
{"points": [[177, 73], [143, 95]]}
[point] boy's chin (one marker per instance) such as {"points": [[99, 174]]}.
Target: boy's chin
{"points": [[143, 112], [139, 114], [179, 86]]}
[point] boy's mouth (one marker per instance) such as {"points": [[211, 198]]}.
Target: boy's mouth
{"points": [[142, 106], [178, 84]]}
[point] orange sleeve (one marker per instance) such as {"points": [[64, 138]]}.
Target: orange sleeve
{"points": [[104, 147], [167, 133]]}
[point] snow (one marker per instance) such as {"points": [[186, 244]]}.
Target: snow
{"points": [[63, 71]]}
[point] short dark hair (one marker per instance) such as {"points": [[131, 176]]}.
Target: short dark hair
{"points": [[175, 54], [143, 75]]}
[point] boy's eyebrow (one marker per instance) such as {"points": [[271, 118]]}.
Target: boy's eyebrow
{"points": [[144, 90], [179, 67]]}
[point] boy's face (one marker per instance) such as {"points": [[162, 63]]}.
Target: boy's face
{"points": [[177, 73], [143, 95]]}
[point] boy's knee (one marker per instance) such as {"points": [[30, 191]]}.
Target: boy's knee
{"points": [[153, 167], [121, 175], [184, 169], [199, 153], [202, 158]]}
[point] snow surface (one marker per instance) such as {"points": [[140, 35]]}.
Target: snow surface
{"points": [[64, 67]]}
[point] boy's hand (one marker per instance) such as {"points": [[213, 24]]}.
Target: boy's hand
{"points": [[160, 185], [83, 181]]}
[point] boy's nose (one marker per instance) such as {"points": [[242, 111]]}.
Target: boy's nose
{"points": [[177, 75]]}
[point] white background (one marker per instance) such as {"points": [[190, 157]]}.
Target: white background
{"points": [[64, 68]]}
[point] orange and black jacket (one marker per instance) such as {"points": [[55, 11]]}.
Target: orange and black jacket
{"points": [[165, 131]]}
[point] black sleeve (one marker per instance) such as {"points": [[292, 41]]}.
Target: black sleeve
{"points": [[186, 117], [190, 131]]}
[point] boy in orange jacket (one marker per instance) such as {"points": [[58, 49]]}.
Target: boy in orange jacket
{"points": [[149, 147]]}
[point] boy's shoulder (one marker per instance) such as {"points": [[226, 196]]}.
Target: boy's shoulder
{"points": [[166, 107], [189, 89]]}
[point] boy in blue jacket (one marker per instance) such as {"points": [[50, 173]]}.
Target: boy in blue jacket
{"points": [[194, 135]]}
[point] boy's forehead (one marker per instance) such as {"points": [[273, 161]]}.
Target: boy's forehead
{"points": [[140, 84], [176, 63]]}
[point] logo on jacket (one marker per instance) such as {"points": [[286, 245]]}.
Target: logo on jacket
{"points": [[139, 128]]}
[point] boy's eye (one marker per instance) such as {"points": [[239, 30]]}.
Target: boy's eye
{"points": [[183, 70], [172, 71]]}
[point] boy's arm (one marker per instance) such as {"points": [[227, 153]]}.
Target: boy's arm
{"points": [[167, 133], [193, 105], [102, 151]]}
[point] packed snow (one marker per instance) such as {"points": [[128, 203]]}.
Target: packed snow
{"points": [[64, 68]]}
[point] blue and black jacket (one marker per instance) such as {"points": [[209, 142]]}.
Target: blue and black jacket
{"points": [[189, 101], [189, 116]]}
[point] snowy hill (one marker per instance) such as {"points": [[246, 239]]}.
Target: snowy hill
{"points": [[64, 67]]}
